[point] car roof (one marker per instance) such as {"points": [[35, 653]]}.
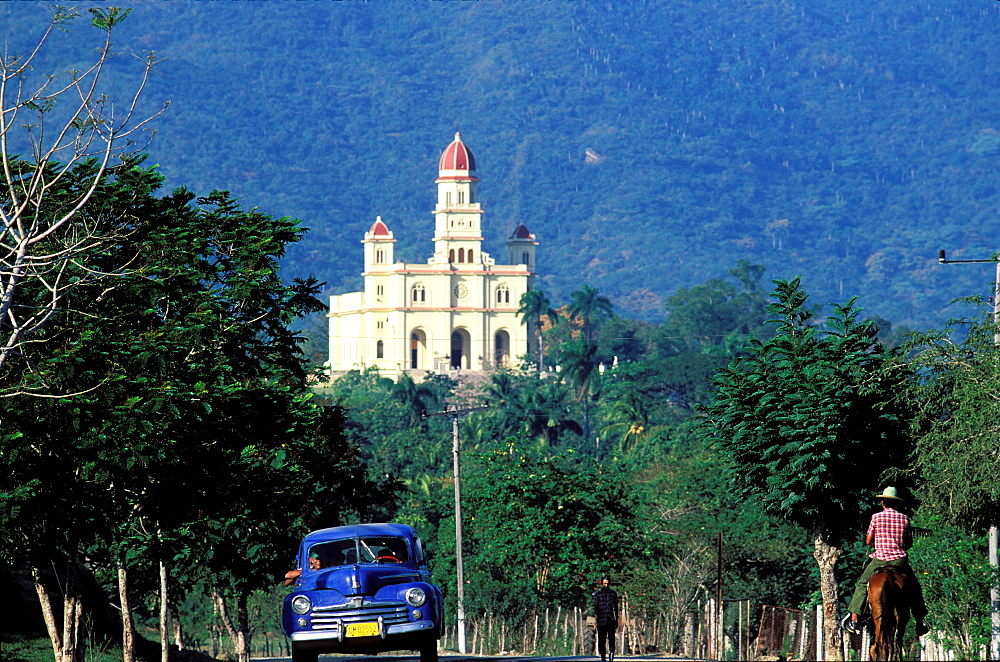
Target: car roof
{"points": [[352, 530]]}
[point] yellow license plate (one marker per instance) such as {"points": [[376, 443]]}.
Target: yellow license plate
{"points": [[362, 629]]}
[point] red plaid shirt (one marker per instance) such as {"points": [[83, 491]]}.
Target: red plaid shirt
{"points": [[891, 530]]}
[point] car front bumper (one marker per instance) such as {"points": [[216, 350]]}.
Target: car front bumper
{"points": [[337, 633]]}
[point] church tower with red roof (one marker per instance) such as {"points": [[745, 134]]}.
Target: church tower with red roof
{"points": [[456, 312], [457, 215]]}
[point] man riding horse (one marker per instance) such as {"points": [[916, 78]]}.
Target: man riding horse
{"points": [[890, 533]]}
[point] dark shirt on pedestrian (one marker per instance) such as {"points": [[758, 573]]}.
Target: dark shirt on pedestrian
{"points": [[606, 607]]}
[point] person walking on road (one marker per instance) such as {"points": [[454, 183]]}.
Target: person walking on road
{"points": [[606, 611]]}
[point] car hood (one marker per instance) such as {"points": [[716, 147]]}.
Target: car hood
{"points": [[358, 579]]}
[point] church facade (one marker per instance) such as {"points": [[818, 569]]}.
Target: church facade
{"points": [[456, 312]]}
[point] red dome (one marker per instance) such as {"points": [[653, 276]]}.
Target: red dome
{"points": [[379, 228], [457, 156]]}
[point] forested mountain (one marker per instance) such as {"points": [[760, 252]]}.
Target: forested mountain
{"points": [[649, 145]]}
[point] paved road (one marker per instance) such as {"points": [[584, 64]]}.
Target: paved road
{"points": [[472, 658]]}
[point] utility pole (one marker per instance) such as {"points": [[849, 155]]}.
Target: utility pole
{"points": [[994, 535], [455, 413]]}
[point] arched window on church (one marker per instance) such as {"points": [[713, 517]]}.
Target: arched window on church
{"points": [[380, 350], [461, 255], [380, 256], [469, 255], [525, 258], [418, 294], [461, 197], [451, 255], [503, 295], [380, 292]]}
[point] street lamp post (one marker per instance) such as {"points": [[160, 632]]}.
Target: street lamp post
{"points": [[994, 535], [455, 413]]}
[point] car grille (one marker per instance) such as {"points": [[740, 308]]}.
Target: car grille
{"points": [[329, 617]]}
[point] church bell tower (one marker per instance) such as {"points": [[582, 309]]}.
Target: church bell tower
{"points": [[457, 232]]}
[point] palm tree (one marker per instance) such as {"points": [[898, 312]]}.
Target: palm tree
{"points": [[587, 305], [535, 305], [580, 370], [528, 407], [629, 415], [418, 398], [547, 412]]}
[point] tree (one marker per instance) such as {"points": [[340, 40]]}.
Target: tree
{"points": [[577, 368], [810, 421], [706, 327], [191, 443], [526, 406], [534, 306], [955, 573], [628, 420], [420, 399], [957, 452], [688, 507], [74, 134], [716, 317], [588, 306], [541, 530], [57, 449]]}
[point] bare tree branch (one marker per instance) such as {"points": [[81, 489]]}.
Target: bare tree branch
{"points": [[73, 137]]}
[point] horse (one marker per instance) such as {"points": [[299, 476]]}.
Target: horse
{"points": [[887, 595]]}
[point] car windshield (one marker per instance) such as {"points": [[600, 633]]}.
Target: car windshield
{"points": [[351, 551]]}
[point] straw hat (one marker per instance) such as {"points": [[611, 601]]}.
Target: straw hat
{"points": [[890, 493]]}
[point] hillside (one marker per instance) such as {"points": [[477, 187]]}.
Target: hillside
{"points": [[648, 145]]}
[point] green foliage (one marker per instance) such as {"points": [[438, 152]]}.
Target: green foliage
{"points": [[811, 419], [956, 453], [534, 306], [845, 142], [107, 19], [543, 529], [183, 433], [763, 556], [621, 340], [706, 327], [717, 317], [386, 418], [588, 306], [527, 407], [955, 575]]}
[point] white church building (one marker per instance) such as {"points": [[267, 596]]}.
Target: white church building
{"points": [[456, 312]]}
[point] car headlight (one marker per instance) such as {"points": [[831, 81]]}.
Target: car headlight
{"points": [[415, 597], [301, 604]]}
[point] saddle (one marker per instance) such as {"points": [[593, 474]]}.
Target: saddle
{"points": [[905, 571]]}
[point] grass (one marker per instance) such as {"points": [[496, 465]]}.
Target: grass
{"points": [[19, 647]]}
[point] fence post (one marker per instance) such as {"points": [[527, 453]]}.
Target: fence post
{"points": [[820, 634], [710, 618], [743, 631], [721, 628]]}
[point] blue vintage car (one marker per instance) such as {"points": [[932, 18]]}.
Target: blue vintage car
{"points": [[364, 588]]}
